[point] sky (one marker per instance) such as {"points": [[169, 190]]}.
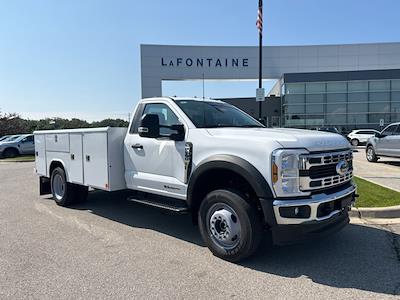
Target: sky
{"points": [[81, 57]]}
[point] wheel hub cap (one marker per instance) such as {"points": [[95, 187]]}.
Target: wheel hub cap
{"points": [[225, 227], [58, 186]]}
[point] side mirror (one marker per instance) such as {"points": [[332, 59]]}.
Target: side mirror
{"points": [[379, 135], [180, 135], [149, 126]]}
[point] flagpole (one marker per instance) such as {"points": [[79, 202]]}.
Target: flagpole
{"points": [[260, 6]]}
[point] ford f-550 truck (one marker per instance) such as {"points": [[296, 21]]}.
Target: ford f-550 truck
{"points": [[238, 179]]}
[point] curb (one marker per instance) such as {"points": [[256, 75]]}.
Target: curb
{"points": [[376, 212]]}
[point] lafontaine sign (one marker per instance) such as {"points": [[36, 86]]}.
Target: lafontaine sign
{"points": [[205, 62]]}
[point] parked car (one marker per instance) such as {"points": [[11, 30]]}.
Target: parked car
{"points": [[237, 179], [17, 145], [361, 136], [4, 137], [386, 143], [8, 138]]}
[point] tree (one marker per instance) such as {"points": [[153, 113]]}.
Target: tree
{"points": [[12, 123]]}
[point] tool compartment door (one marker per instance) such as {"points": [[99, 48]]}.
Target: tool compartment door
{"points": [[95, 160], [40, 155], [76, 158]]}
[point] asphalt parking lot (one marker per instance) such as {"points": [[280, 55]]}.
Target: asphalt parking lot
{"points": [[385, 172], [112, 248]]}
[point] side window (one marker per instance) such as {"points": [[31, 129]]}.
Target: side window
{"points": [[397, 131], [136, 120], [29, 138], [390, 130], [165, 115]]}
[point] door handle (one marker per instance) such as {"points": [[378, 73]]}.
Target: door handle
{"points": [[137, 146]]}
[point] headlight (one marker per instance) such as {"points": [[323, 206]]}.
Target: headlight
{"points": [[285, 172]]}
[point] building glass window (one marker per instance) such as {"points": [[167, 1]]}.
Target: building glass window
{"points": [[294, 99], [315, 87], [379, 85], [379, 96], [336, 87], [358, 97], [295, 88], [343, 104], [379, 107], [396, 85], [358, 86], [336, 97]]}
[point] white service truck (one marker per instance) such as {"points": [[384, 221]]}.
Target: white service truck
{"points": [[238, 179]]}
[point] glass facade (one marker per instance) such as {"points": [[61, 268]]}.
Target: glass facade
{"points": [[345, 105]]}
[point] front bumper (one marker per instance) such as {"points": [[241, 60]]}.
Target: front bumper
{"points": [[328, 213], [318, 207]]}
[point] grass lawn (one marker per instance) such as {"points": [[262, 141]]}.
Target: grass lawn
{"points": [[374, 195], [20, 158]]}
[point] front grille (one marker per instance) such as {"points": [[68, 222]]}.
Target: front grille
{"points": [[319, 171]]}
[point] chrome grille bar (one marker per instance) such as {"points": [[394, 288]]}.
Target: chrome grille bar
{"points": [[320, 160]]}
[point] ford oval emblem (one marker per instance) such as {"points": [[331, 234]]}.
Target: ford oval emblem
{"points": [[342, 167]]}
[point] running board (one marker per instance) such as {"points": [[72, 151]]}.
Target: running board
{"points": [[170, 205]]}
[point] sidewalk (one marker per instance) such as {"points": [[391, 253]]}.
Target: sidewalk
{"points": [[385, 172]]}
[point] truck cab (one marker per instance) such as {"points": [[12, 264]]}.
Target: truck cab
{"points": [[238, 179]]}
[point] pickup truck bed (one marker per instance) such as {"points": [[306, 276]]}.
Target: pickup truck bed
{"points": [[91, 157]]}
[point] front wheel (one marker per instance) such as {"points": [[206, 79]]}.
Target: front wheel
{"points": [[371, 155], [229, 225]]}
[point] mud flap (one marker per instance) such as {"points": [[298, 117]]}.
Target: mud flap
{"points": [[44, 185]]}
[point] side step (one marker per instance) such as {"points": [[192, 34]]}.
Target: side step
{"points": [[176, 206]]}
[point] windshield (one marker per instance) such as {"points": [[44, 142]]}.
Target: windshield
{"points": [[207, 114], [11, 138]]}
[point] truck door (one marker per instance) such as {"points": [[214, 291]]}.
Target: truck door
{"points": [[386, 144], [155, 165]]}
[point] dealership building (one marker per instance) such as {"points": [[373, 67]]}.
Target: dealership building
{"points": [[344, 86]]}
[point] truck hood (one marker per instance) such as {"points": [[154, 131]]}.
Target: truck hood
{"points": [[288, 138]]}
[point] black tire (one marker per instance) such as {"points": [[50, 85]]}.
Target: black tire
{"points": [[355, 142], [63, 191], [246, 217], [370, 154], [10, 153]]}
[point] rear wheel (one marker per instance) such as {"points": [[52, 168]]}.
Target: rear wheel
{"points": [[63, 191], [229, 225], [10, 153], [355, 142], [370, 154]]}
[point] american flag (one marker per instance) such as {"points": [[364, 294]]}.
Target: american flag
{"points": [[259, 22]]}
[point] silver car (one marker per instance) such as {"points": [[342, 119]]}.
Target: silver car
{"points": [[17, 145], [386, 143]]}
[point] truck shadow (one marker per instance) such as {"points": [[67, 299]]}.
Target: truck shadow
{"points": [[394, 163], [116, 207], [358, 257]]}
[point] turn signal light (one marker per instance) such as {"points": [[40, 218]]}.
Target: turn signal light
{"points": [[274, 173]]}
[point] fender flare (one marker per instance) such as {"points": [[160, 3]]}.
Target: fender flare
{"points": [[235, 164], [63, 165]]}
